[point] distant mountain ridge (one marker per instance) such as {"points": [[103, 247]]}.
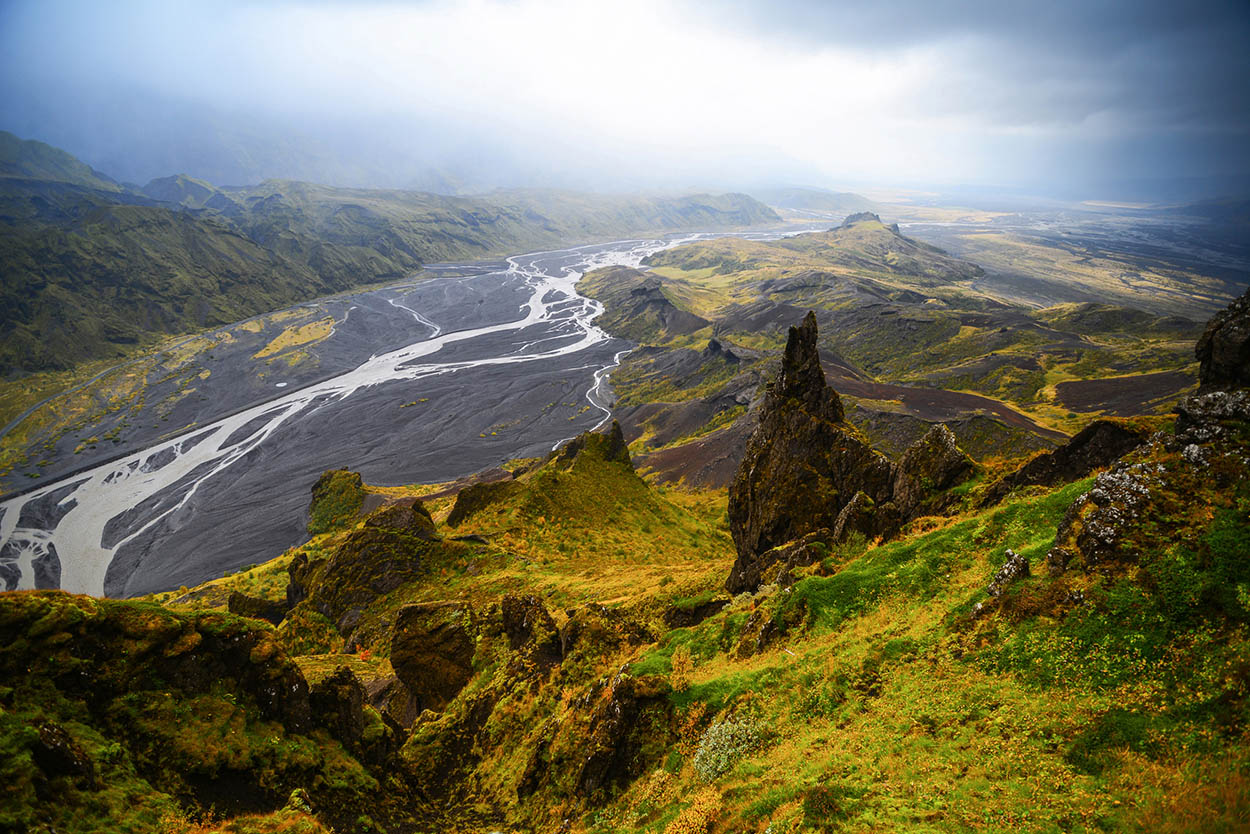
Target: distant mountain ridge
{"points": [[28, 159], [89, 267], [815, 199]]}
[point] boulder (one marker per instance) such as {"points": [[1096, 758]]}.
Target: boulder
{"points": [[1223, 350], [432, 647], [599, 629], [932, 465], [270, 611], [1015, 567], [530, 629], [802, 464]]}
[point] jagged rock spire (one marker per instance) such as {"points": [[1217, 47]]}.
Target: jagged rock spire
{"points": [[802, 378], [801, 466]]}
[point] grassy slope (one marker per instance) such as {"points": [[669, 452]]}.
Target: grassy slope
{"points": [[883, 704]]}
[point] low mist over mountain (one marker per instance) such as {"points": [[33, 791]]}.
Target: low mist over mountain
{"points": [[91, 268], [1113, 101]]}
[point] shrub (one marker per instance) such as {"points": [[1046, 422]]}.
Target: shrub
{"points": [[698, 816], [683, 666], [723, 745]]}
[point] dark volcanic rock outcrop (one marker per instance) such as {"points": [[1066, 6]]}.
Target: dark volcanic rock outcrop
{"points": [[1099, 444], [432, 650], [802, 464], [609, 445], [934, 464], [809, 477], [1223, 350]]}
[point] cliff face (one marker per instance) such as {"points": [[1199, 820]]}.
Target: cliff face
{"points": [[1223, 351]]}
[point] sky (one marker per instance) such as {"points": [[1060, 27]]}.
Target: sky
{"points": [[1119, 99]]}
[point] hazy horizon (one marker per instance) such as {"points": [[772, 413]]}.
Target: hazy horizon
{"points": [[1132, 101]]}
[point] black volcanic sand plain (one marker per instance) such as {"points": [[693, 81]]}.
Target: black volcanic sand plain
{"points": [[430, 429]]}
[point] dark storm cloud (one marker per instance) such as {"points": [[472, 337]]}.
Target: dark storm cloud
{"points": [[1142, 62]]}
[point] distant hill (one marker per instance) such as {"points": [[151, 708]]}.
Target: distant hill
{"points": [[28, 159], [90, 268], [814, 199]]}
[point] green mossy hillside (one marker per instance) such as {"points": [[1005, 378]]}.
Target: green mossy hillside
{"points": [[884, 689], [131, 717]]}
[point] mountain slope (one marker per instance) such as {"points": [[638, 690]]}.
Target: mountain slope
{"points": [[32, 160], [89, 270]]}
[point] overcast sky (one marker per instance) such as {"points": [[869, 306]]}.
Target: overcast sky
{"points": [[1056, 96]]}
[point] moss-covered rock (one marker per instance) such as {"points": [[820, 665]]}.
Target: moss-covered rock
{"points": [[336, 500], [1223, 350], [393, 546], [932, 465], [530, 629], [245, 605], [432, 650], [802, 464], [1148, 501], [126, 714], [597, 630]]}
